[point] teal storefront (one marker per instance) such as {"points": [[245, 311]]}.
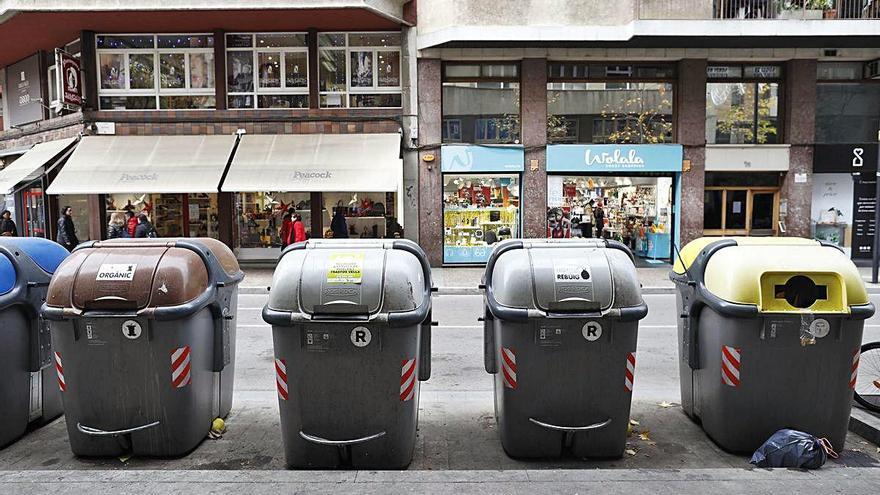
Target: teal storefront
{"points": [[481, 200], [633, 190]]}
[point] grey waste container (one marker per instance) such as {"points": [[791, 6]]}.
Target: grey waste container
{"points": [[769, 335], [561, 324], [29, 394], [144, 333], [351, 327]]}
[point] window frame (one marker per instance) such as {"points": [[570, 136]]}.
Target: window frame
{"points": [[255, 52], [749, 209], [350, 90], [672, 81], [483, 79], [156, 91], [445, 129]]}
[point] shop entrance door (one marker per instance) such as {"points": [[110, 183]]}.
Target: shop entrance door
{"points": [[741, 211], [34, 212]]}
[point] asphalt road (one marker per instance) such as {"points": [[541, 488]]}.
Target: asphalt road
{"points": [[457, 431]]}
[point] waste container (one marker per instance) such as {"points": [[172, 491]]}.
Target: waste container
{"points": [[560, 328], [144, 334], [769, 334], [28, 389], [351, 327]]}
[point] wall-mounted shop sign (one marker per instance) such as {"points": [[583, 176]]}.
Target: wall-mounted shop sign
{"points": [[857, 157], [614, 158], [471, 158], [24, 91], [69, 80]]}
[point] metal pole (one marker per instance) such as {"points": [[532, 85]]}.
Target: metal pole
{"points": [[875, 249]]}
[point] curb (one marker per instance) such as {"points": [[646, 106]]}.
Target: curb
{"points": [[865, 424]]}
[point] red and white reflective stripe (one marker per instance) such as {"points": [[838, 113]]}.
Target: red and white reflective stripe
{"points": [[60, 370], [407, 379], [508, 367], [854, 370], [281, 378], [181, 369], [730, 365], [630, 371]]}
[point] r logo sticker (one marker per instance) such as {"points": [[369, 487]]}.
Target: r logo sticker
{"points": [[361, 336], [592, 331], [131, 329]]}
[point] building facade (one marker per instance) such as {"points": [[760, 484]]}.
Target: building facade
{"points": [[663, 121], [212, 119]]}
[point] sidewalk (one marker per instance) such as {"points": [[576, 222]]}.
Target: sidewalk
{"points": [[466, 280]]}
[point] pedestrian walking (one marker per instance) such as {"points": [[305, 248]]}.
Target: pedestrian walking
{"points": [[144, 228], [297, 230], [7, 226], [131, 223], [599, 214], [117, 228], [67, 230], [284, 231], [339, 226]]}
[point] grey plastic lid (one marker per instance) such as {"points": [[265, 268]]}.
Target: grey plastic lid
{"points": [[346, 279], [563, 276]]}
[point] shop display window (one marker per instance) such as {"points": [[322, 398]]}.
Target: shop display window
{"points": [[81, 214], [359, 70], [367, 215], [478, 212], [172, 215], [148, 72], [636, 211], [260, 215], [267, 70]]}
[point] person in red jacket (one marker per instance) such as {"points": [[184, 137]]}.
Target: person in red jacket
{"points": [[298, 230], [132, 223]]}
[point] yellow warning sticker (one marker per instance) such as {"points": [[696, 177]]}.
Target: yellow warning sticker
{"points": [[345, 268]]}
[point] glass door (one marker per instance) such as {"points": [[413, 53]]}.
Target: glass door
{"points": [[34, 213]]}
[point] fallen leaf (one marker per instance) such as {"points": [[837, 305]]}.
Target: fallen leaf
{"points": [[633, 422], [630, 452], [645, 435], [666, 404], [124, 458]]}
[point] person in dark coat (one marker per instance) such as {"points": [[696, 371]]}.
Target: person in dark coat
{"points": [[7, 226], [339, 226], [67, 230], [144, 228], [599, 214], [116, 229]]}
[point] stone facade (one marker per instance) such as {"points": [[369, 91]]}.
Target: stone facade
{"points": [[430, 179]]}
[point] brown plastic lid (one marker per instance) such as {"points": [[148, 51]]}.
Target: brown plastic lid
{"points": [[221, 251], [129, 276]]}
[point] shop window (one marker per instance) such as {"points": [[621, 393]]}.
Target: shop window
{"points": [[34, 212], [268, 70], [478, 211], [635, 210], [359, 70], [485, 100], [742, 104], [172, 215], [622, 103], [260, 216], [847, 112], [741, 211], [81, 214], [363, 215], [148, 72]]}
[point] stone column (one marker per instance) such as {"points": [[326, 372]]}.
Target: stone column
{"points": [[533, 98], [690, 120], [430, 182], [800, 130]]}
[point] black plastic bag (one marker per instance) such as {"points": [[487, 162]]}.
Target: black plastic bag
{"points": [[793, 449]]}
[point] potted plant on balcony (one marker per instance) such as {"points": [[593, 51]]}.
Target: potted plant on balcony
{"points": [[805, 9]]}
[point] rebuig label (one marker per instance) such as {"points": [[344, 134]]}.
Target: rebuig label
{"points": [[345, 268], [570, 272], [116, 272]]}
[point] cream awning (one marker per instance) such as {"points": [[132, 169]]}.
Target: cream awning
{"points": [[145, 164], [316, 162], [30, 165]]}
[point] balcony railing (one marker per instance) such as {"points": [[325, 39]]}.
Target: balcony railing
{"points": [[758, 9]]}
